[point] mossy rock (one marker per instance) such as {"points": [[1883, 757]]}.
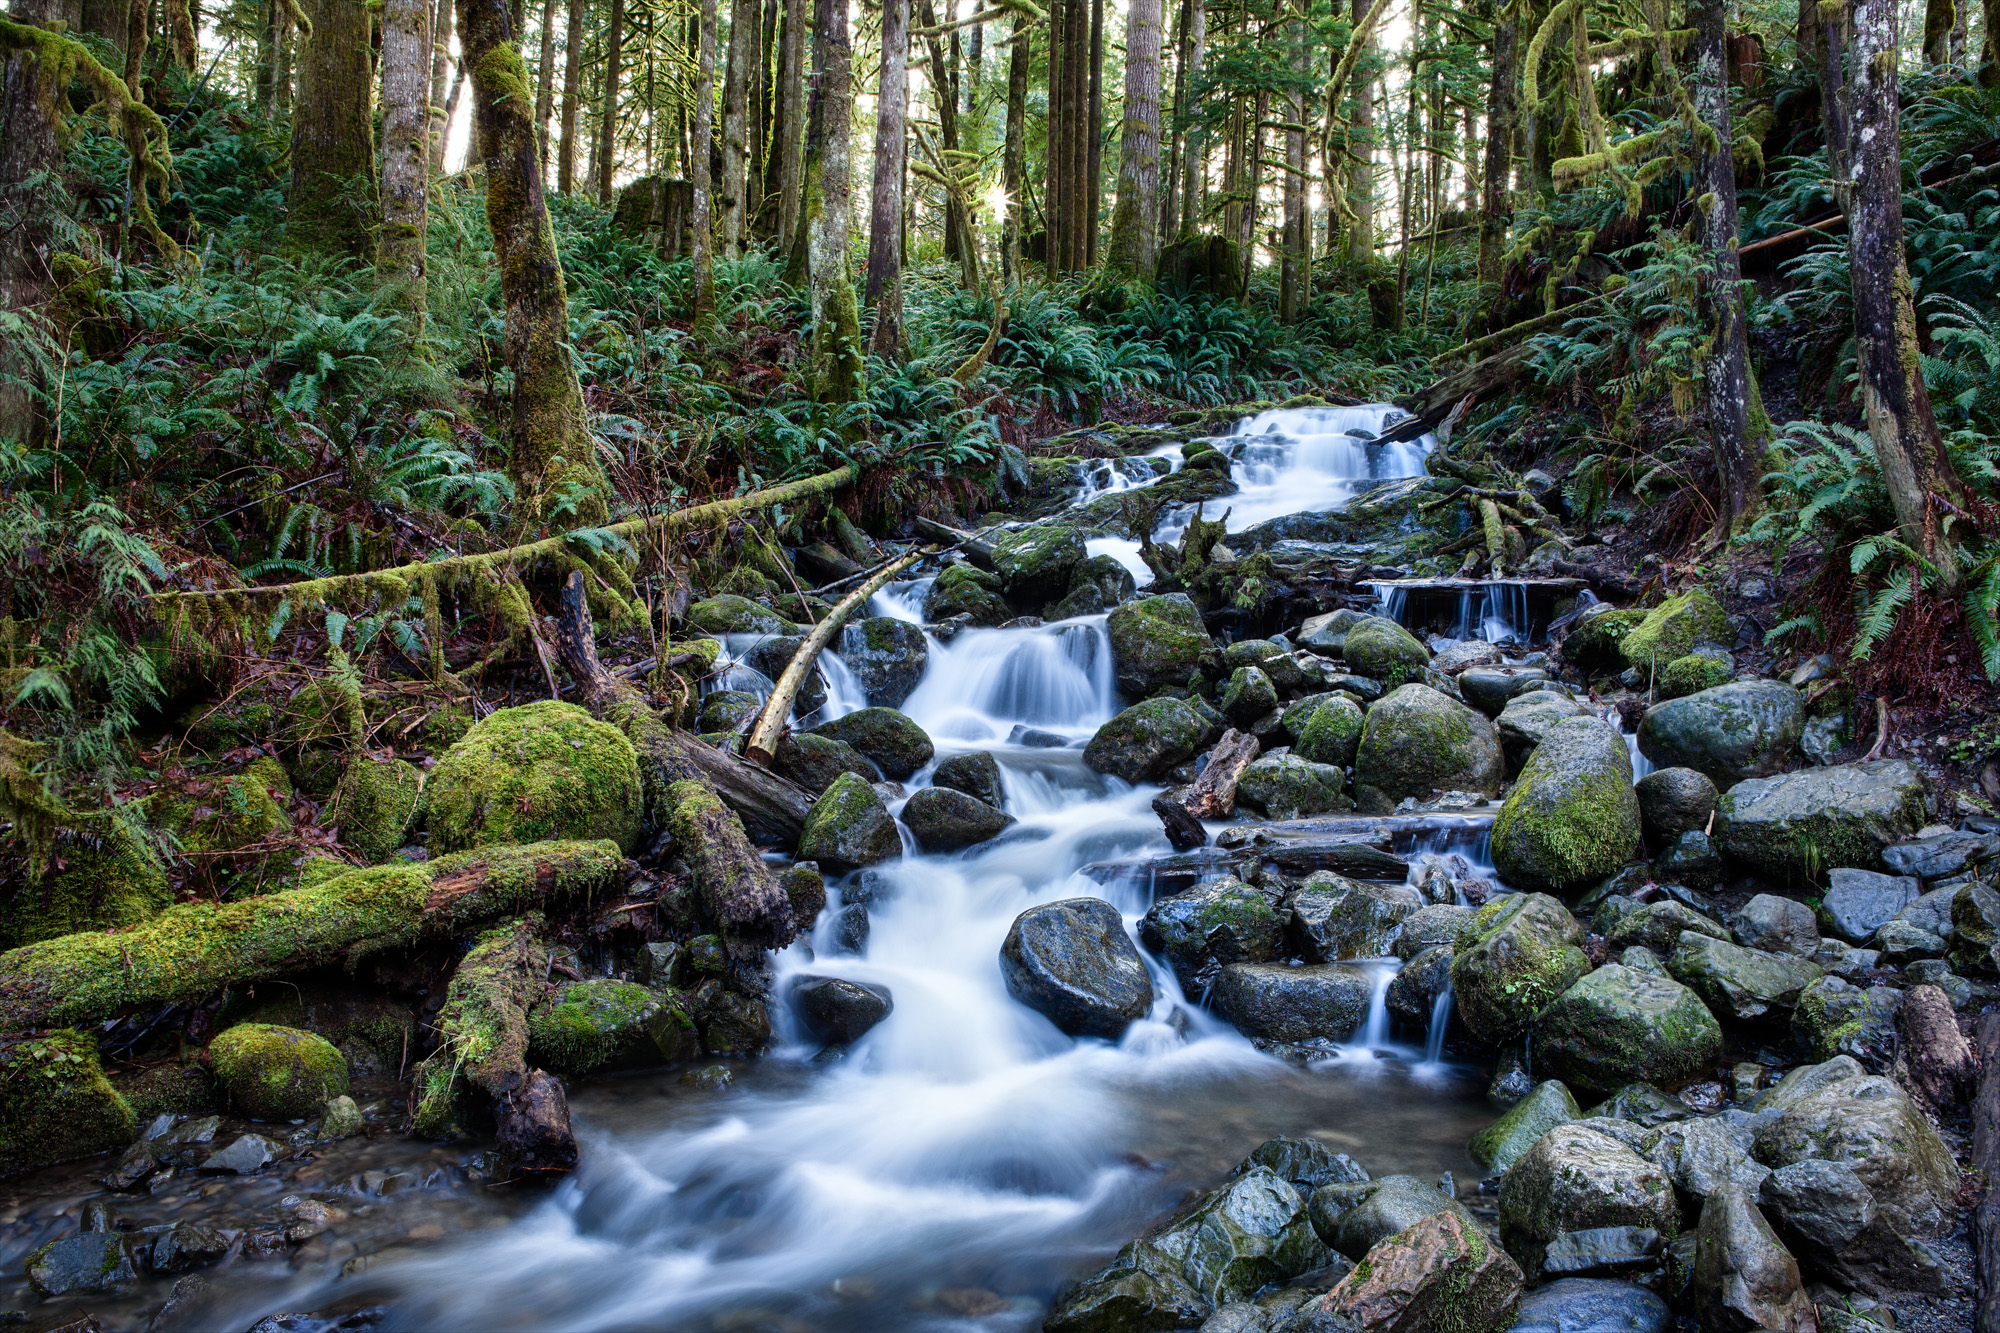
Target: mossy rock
{"points": [[1702, 669], [1571, 817], [1159, 643], [1507, 1140], [375, 805], [312, 740], [887, 738], [732, 614], [603, 1024], [231, 723], [1284, 786], [849, 827], [532, 774], [815, 761], [225, 814], [277, 1073], [1672, 629], [1797, 826], [966, 590], [726, 710], [1417, 741], [168, 1089], [1249, 695], [55, 1102], [1332, 732], [1381, 649], [1146, 740], [1511, 961], [106, 873], [1619, 1025], [1595, 643], [372, 1030], [1035, 563], [447, 727]]}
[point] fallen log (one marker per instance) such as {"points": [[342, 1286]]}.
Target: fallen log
{"points": [[482, 1028], [978, 549], [1597, 577], [191, 951], [1430, 406], [1184, 831], [1213, 795], [1986, 1159]]}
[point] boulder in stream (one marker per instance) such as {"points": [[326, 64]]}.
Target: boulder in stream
{"points": [[277, 1073], [732, 614], [1517, 954], [1035, 563], [1147, 739], [1491, 688], [1619, 1025], [1507, 1140], [838, 1010], [976, 774], [966, 590], [1316, 1007], [1528, 717], [1793, 827], [1281, 785], [1417, 741], [1740, 983], [943, 819], [1673, 628], [1142, 1289], [1334, 918], [1248, 696], [1331, 733], [887, 657], [1746, 729], [815, 761], [1857, 903], [888, 739], [1381, 649], [848, 827], [1571, 817], [1673, 801], [1072, 962], [1210, 926], [1158, 643]]}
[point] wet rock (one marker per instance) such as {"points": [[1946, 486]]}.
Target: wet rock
{"points": [[849, 827], [1857, 903], [814, 762], [1414, 990], [1602, 1252], [944, 820], [1035, 563], [1640, 1104], [1234, 1241], [1430, 927], [966, 590], [1386, 1206], [1827, 1214], [1511, 1080], [1942, 855], [1777, 925], [836, 1009], [1210, 926], [1158, 643], [1932, 912], [1835, 1018], [1147, 739], [1740, 983], [1691, 859], [532, 1128], [1619, 1025], [607, 1024], [1248, 696], [1673, 628], [1442, 1275], [1489, 688], [540, 771], [1142, 1289], [731, 1024], [1072, 962], [1332, 732], [891, 741], [1099, 583], [1704, 1153], [1571, 817], [1744, 1278], [1975, 930], [1335, 918], [1318, 1006], [1574, 1178], [1306, 1164], [1527, 718], [1792, 827], [976, 774], [1746, 729], [1900, 941], [1589, 1305], [1507, 1140], [187, 1245], [1935, 972], [55, 1102], [248, 1154], [850, 928], [84, 1262], [1416, 741], [1673, 801], [887, 657], [726, 710], [1380, 649], [1518, 953], [770, 656], [1658, 925], [277, 1073], [731, 614], [340, 1118], [1702, 669], [1327, 634]]}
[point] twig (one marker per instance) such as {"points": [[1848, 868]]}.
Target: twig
{"points": [[1881, 730]]}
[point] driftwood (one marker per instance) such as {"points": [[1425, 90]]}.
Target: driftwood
{"points": [[1184, 831], [770, 725], [1213, 795], [1933, 1060], [1986, 1159], [1430, 406], [533, 1126]]}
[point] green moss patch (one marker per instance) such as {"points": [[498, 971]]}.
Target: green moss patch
{"points": [[546, 770]]}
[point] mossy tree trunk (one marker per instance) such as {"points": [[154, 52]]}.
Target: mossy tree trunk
{"points": [[545, 84], [1989, 50], [885, 204], [1194, 157], [701, 222], [442, 23], [32, 87], [109, 19], [736, 124], [1013, 155], [1133, 251], [552, 458], [406, 52], [787, 131], [1496, 178], [572, 106], [1294, 260], [1940, 17], [607, 124], [1093, 152], [838, 375], [181, 32], [331, 203]]}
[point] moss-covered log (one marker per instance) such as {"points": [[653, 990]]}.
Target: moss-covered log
{"points": [[739, 890], [483, 1026], [193, 950]]}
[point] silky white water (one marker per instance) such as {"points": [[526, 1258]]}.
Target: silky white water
{"points": [[1305, 460]]}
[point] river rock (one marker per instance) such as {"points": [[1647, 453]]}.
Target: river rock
{"points": [[731, 614], [1703, 669], [1414, 990], [1673, 628], [1932, 912], [891, 741], [976, 774], [1658, 925], [1792, 827], [1429, 927], [1234, 1241], [1327, 634], [1527, 718], [726, 710], [836, 1009], [1900, 941], [1210, 926], [1332, 732], [1592, 643], [1417, 741], [1576, 1177], [1601, 1252], [1975, 930], [1744, 1277], [1380, 649], [1284, 786], [1592, 1305], [1318, 1006], [1690, 859], [602, 1023], [1385, 1206], [887, 657], [848, 827], [942, 819], [277, 1073], [88, 1261], [1507, 1140], [966, 590], [1516, 955], [1740, 983], [1305, 1164], [1571, 817], [1147, 739], [1703, 1153], [1334, 918], [528, 774], [1619, 1025], [245, 1155], [1142, 1289], [1746, 729], [1248, 696], [1442, 1275], [1489, 688], [1673, 801], [1942, 855], [1035, 563], [1777, 925], [815, 761], [1073, 963], [1158, 643], [770, 656], [1857, 903], [1827, 1214]]}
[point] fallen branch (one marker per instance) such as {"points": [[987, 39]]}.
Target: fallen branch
{"points": [[1213, 795], [978, 549], [1881, 730], [1516, 332], [1184, 831], [1615, 584], [1430, 406], [483, 1027]]}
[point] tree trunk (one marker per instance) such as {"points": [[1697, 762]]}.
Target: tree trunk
{"points": [[1908, 447], [701, 222], [1933, 1060], [754, 209], [885, 216], [1056, 155], [1502, 94], [736, 123], [1986, 1159], [406, 48], [1247, 235], [545, 85], [439, 128], [1093, 160], [788, 128], [1013, 160], [552, 455], [607, 128], [1829, 35], [1194, 158], [183, 34], [1939, 18], [31, 107], [1361, 163], [1171, 132], [1739, 458], [837, 370], [109, 19], [1076, 116], [331, 204], [1133, 252], [1294, 199], [1989, 49], [572, 105]]}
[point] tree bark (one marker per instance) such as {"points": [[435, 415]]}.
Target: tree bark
{"points": [[109, 19], [885, 217], [438, 124], [758, 220], [1133, 252], [1246, 236], [787, 132], [1184, 832], [1495, 211], [1194, 157], [607, 129], [1933, 1060], [483, 1030], [545, 85], [1989, 49], [701, 222], [1172, 125], [1908, 447], [572, 105], [736, 123], [32, 90], [1939, 18], [331, 203], [837, 370], [181, 26], [1986, 1158], [1828, 36], [1056, 154], [552, 457], [1213, 795], [1361, 162], [406, 50], [1013, 159], [1093, 158], [1294, 197]]}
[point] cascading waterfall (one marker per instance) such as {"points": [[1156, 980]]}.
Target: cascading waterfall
{"points": [[1496, 612]]}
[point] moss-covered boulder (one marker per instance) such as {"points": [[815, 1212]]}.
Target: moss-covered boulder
{"points": [[887, 657], [1571, 817], [848, 827], [1702, 669], [1594, 645], [373, 1030], [1380, 649], [604, 1024], [375, 804], [1745, 729], [976, 774], [726, 710], [888, 739], [1095, 586], [1333, 918], [535, 773], [1332, 732], [1507, 1140], [1284, 786], [106, 872], [815, 761], [731, 614], [1619, 1026], [1417, 741], [1740, 983], [55, 1103], [1147, 739], [277, 1073], [1673, 628], [944, 820], [1517, 954], [1249, 695], [225, 813], [1211, 926], [1797, 826], [1159, 643], [1529, 717], [1834, 1017], [1440, 1273], [1035, 563], [967, 590], [168, 1089]]}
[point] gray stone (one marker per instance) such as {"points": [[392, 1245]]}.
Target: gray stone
{"points": [[1744, 1277], [1157, 643], [1740, 983], [1380, 649], [1571, 817], [1416, 988], [1857, 903], [1641, 1104], [1703, 1153], [1327, 634], [1589, 1305], [1690, 859], [1142, 1289], [1931, 912], [976, 774], [1975, 930], [1318, 1006], [1529, 717], [1658, 925], [725, 710], [1745, 729], [1430, 927], [1936, 972], [1284, 786], [1305, 1163], [1507, 1140], [1942, 855], [1236, 1240], [1603, 1252], [1619, 1025], [248, 1154], [1073, 963], [88, 1261], [1827, 1213], [1900, 941], [943, 819], [1332, 732], [1834, 1017], [1334, 918], [1673, 801], [814, 762], [1517, 954], [1035, 563], [887, 657], [1777, 925], [1390, 1204], [1248, 696], [1488, 688], [1210, 926], [1417, 741], [838, 1010], [1147, 739], [1792, 827], [1574, 1178], [891, 741]]}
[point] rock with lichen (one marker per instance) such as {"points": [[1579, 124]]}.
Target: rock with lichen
{"points": [[1571, 817]]}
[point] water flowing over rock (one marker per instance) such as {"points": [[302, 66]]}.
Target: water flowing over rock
{"points": [[1035, 563], [976, 774], [835, 1009], [1146, 740], [944, 820], [848, 827], [1072, 962], [1157, 643]]}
